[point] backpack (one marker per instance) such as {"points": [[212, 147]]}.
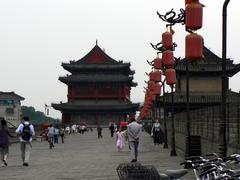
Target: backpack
{"points": [[26, 132]]}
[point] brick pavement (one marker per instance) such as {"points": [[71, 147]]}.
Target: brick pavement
{"points": [[84, 157]]}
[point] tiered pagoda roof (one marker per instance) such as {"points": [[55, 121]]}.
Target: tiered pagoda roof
{"points": [[211, 63], [97, 66]]}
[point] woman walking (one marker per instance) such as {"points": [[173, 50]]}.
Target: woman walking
{"points": [[157, 133], [4, 142]]}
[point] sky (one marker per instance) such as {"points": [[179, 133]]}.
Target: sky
{"points": [[36, 36]]}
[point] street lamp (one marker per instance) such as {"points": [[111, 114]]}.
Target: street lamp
{"points": [[222, 125]]}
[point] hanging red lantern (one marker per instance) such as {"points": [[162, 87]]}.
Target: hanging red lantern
{"points": [[167, 40], [190, 1], [168, 58], [194, 15], [158, 76], [151, 76], [187, 1], [170, 76], [194, 47], [150, 85], [157, 89], [155, 76], [157, 63], [152, 97]]}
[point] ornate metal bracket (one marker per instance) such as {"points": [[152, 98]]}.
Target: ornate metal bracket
{"points": [[150, 63], [159, 47], [172, 18]]}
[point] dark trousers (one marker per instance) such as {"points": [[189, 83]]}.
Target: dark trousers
{"points": [[134, 149], [99, 135]]}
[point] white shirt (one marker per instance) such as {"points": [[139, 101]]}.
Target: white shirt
{"points": [[20, 129]]}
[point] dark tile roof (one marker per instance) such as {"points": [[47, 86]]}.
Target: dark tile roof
{"points": [[95, 78], [96, 105], [211, 64], [7, 95], [72, 65], [95, 55]]}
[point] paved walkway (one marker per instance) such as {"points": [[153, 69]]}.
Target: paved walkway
{"points": [[84, 157]]}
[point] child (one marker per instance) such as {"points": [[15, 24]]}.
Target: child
{"points": [[120, 139], [4, 142]]}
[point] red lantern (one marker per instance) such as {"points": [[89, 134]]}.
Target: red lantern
{"points": [[157, 89], [194, 47], [167, 40], [190, 1], [171, 76], [151, 85], [194, 15], [168, 58], [155, 76], [157, 63], [151, 76], [152, 97]]}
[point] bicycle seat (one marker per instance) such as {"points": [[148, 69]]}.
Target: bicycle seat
{"points": [[176, 173]]}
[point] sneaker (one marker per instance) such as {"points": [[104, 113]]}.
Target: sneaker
{"points": [[134, 160], [25, 164], [3, 165]]}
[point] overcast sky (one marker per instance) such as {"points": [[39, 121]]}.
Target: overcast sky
{"points": [[36, 36]]}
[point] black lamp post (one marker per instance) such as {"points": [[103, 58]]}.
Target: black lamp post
{"points": [[164, 118], [173, 148], [171, 18], [187, 150], [222, 125]]}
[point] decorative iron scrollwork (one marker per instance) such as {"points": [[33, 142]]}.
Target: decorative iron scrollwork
{"points": [[172, 18], [159, 47]]}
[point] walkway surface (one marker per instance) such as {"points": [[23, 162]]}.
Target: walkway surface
{"points": [[84, 157]]}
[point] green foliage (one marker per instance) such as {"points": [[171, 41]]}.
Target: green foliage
{"points": [[37, 117]]}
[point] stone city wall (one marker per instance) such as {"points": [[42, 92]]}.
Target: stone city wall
{"points": [[205, 123]]}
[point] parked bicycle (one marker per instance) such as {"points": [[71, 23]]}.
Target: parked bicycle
{"points": [[213, 167], [136, 171]]}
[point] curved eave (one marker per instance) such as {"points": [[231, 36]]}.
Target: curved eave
{"points": [[76, 66], [134, 84], [94, 79], [234, 71], [76, 107]]}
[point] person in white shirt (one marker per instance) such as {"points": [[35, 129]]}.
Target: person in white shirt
{"points": [[51, 132], [25, 131]]}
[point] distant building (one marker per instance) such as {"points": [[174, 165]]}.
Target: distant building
{"points": [[205, 84], [98, 90], [10, 107]]}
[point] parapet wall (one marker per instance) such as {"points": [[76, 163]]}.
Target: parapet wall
{"points": [[205, 123]]}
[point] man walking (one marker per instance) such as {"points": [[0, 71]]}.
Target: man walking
{"points": [[25, 131], [99, 131], [134, 132]]}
